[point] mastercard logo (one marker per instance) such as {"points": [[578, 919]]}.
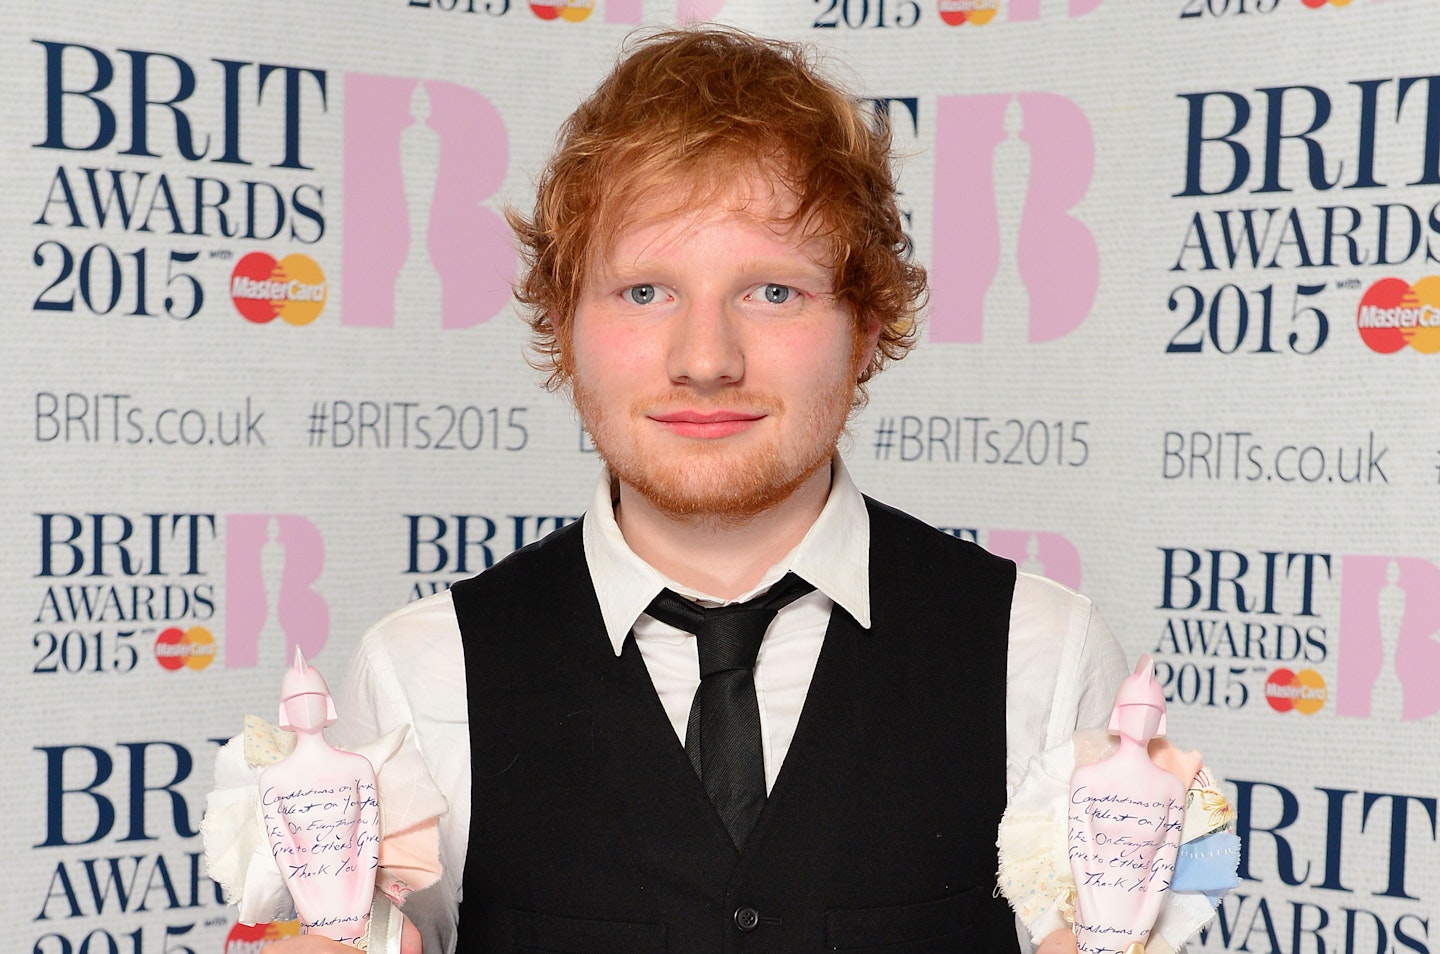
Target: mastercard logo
{"points": [[292, 289], [978, 12], [1393, 313], [1303, 691], [250, 938], [1317, 4], [192, 648], [572, 10]]}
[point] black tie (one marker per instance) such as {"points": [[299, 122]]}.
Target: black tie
{"points": [[723, 734]]}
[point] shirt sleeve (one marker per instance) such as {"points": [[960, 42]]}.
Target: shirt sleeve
{"points": [[1064, 666], [409, 670], [1099, 670]]}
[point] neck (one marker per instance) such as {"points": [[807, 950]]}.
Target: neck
{"points": [[1133, 748], [310, 740], [714, 553]]}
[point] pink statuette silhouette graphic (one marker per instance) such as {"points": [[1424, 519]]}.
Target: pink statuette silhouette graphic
{"points": [[322, 815], [1125, 820]]}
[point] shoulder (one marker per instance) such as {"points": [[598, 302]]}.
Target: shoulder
{"points": [[895, 532], [558, 552], [1049, 610], [409, 666], [421, 625], [1054, 628], [1064, 663], [413, 642]]}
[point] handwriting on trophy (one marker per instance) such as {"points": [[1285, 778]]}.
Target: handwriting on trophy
{"points": [[322, 815], [1126, 816]]}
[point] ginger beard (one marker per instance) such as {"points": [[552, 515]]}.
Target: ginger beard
{"points": [[722, 479], [704, 340]]}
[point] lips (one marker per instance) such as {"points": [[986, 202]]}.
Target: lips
{"points": [[706, 424]]}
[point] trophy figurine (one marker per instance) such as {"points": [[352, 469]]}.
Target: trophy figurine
{"points": [[1126, 815], [322, 815]]}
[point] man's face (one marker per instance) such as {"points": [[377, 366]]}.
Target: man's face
{"points": [[711, 363]]}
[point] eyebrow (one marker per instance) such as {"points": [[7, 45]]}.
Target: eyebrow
{"points": [[759, 265]]}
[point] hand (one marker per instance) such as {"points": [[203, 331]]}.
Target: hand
{"points": [[318, 944], [1058, 941], [308, 944]]}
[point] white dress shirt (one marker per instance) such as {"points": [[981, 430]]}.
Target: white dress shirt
{"points": [[1063, 665]]}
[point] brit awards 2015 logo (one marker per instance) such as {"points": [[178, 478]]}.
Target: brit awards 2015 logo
{"points": [[1301, 219], [119, 586], [272, 563], [1008, 172], [160, 157], [1241, 625]]}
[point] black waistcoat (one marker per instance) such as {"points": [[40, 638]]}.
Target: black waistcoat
{"points": [[590, 832]]}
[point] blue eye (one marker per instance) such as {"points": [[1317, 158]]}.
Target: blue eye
{"points": [[777, 294], [640, 294]]}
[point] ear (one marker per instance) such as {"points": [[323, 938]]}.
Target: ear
{"points": [[867, 337], [562, 334]]}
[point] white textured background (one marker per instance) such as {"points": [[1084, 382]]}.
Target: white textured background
{"points": [[1351, 788]]}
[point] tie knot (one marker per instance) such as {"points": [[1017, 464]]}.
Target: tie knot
{"points": [[728, 637]]}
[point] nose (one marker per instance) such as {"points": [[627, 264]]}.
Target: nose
{"points": [[705, 348]]}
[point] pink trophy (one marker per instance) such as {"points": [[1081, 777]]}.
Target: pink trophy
{"points": [[321, 815], [1125, 822]]}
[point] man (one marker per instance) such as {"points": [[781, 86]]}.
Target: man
{"points": [[716, 268]]}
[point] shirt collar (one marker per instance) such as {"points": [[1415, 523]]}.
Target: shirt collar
{"points": [[834, 555]]}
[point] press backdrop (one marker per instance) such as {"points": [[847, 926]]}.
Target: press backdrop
{"points": [[262, 383]]}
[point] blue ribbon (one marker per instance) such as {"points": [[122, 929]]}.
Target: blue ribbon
{"points": [[1208, 865]]}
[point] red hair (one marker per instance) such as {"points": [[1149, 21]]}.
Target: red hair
{"points": [[684, 110]]}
